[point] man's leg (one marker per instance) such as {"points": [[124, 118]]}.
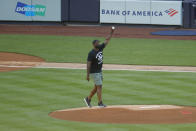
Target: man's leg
{"points": [[99, 93], [93, 91]]}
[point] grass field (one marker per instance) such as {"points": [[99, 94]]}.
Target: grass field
{"points": [[120, 51], [27, 96]]}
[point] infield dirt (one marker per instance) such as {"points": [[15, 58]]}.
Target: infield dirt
{"points": [[15, 61]]}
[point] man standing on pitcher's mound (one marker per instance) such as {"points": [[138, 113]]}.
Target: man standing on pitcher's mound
{"points": [[94, 69]]}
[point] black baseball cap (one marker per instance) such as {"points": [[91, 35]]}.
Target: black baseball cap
{"points": [[94, 41]]}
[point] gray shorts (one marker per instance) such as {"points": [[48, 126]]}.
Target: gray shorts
{"points": [[97, 78]]}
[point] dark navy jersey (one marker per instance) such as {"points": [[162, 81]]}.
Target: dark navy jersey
{"points": [[96, 58]]}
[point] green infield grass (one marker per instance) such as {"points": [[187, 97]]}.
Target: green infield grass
{"points": [[27, 96], [120, 50]]}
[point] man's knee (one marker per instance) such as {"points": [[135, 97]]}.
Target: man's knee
{"points": [[99, 86]]}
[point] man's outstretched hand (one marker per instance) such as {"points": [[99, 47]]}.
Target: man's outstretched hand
{"points": [[110, 35], [113, 29]]}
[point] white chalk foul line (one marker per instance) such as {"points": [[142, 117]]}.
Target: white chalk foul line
{"points": [[125, 69], [69, 67]]}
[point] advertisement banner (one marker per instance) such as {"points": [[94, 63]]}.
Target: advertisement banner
{"points": [[170, 12], [141, 12], [137, 12], [47, 10], [12, 10], [112, 11], [30, 10]]}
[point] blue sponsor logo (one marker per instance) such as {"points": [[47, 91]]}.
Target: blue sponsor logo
{"points": [[30, 10]]}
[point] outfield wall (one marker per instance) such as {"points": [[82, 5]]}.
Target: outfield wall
{"points": [[161, 12], [84, 10]]}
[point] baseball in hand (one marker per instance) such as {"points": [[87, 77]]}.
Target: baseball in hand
{"points": [[113, 28]]}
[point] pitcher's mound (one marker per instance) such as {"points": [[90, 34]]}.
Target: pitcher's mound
{"points": [[130, 114]]}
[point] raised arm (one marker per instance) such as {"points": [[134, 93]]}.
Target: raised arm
{"points": [[109, 36], [88, 70]]}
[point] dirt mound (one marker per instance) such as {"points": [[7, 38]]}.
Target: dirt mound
{"points": [[130, 114], [15, 61]]}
